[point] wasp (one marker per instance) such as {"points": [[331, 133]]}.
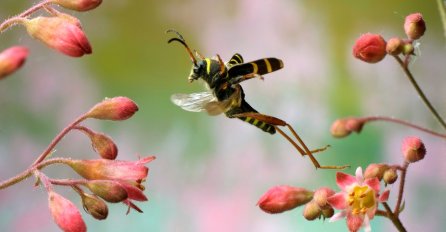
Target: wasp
{"points": [[225, 95]]}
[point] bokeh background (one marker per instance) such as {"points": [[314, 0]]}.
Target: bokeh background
{"points": [[210, 171]]}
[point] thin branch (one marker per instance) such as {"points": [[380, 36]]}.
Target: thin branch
{"points": [[426, 101]]}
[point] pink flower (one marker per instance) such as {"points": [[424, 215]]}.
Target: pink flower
{"points": [[59, 33], [65, 213], [282, 198], [78, 5], [12, 59], [358, 199], [117, 108], [103, 169], [370, 48], [414, 26], [413, 149]]}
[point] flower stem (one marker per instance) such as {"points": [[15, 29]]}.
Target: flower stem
{"points": [[20, 18], [409, 75], [57, 139], [394, 218], [442, 10], [401, 189], [405, 123], [28, 172]]}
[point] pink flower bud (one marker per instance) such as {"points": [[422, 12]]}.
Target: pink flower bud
{"points": [[394, 46], [94, 206], [117, 108], [354, 124], [390, 176], [78, 5], [110, 191], [414, 26], [12, 59], [59, 33], [101, 143], [375, 170], [282, 198], [102, 169], [312, 211], [413, 149], [65, 213], [338, 128], [321, 195], [370, 48]]}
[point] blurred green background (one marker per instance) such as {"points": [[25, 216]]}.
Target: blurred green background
{"points": [[210, 171]]}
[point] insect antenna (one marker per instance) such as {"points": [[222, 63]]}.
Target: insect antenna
{"points": [[181, 40]]}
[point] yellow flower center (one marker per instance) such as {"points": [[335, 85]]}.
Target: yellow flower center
{"points": [[361, 198]]}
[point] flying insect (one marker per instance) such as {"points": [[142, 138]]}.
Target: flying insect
{"points": [[224, 93]]}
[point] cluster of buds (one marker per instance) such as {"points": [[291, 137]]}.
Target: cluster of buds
{"points": [[105, 180], [358, 199], [372, 48], [58, 30]]}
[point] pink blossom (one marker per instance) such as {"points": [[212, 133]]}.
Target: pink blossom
{"points": [[282, 198], [370, 48], [358, 199], [103, 169], [59, 33], [65, 213], [12, 59]]}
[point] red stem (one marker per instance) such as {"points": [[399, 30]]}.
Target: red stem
{"points": [[57, 139], [399, 121]]}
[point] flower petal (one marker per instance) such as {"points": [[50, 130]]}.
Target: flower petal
{"points": [[367, 227], [343, 180], [384, 196], [338, 200], [373, 183], [354, 222], [338, 216], [359, 176]]}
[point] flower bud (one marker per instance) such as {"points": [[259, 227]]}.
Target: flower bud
{"points": [[312, 211], [370, 48], [103, 169], [101, 143], [375, 170], [328, 213], [110, 191], [59, 33], [94, 206], [282, 198], [408, 48], [12, 59], [78, 5], [390, 176], [354, 124], [394, 46], [321, 195], [338, 128], [65, 213], [413, 149], [414, 26], [117, 108]]}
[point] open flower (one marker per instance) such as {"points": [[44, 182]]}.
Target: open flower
{"points": [[358, 199]]}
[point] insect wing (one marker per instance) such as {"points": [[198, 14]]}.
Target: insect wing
{"points": [[194, 102]]}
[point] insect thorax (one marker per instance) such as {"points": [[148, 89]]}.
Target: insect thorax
{"points": [[209, 71]]}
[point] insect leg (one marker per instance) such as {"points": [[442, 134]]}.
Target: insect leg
{"points": [[302, 148]]}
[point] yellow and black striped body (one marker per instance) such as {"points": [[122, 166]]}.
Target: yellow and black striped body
{"points": [[225, 83]]}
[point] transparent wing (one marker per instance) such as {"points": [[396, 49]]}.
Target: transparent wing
{"points": [[194, 102]]}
